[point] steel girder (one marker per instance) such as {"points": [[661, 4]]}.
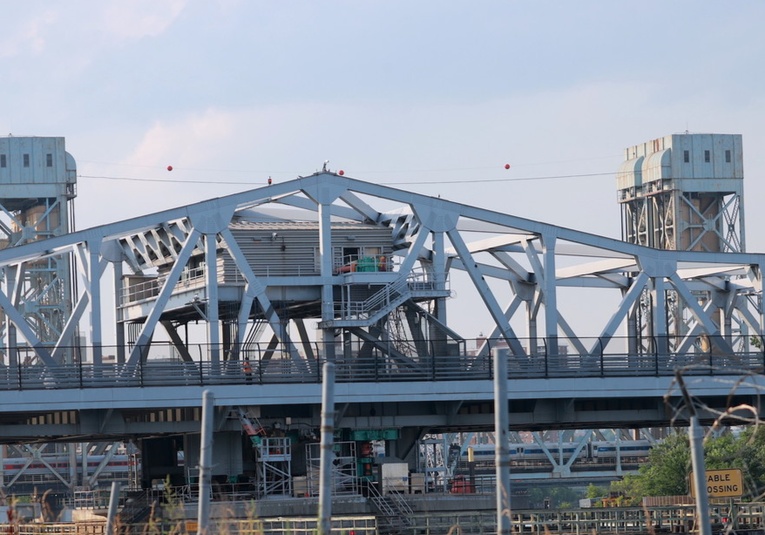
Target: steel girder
{"points": [[520, 269]]}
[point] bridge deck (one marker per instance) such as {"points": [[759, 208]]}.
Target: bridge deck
{"points": [[398, 390]]}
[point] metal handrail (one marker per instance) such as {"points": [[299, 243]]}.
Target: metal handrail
{"points": [[388, 294], [444, 360], [392, 506]]}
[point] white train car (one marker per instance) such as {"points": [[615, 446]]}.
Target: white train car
{"points": [[634, 451]]}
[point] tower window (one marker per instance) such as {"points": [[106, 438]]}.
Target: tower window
{"points": [[3, 161], [26, 160], [686, 156], [49, 160], [706, 156], [727, 156]]}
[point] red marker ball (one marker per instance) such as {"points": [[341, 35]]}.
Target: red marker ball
{"points": [[507, 166], [341, 172], [169, 167]]}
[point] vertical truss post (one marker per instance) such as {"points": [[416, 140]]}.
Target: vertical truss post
{"points": [[439, 268], [550, 295], [119, 334], [326, 258], [94, 275], [213, 321], [659, 314]]}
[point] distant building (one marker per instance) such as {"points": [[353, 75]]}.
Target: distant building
{"points": [[684, 192]]}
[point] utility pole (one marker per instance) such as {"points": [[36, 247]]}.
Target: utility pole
{"points": [[326, 455], [502, 442], [114, 502], [696, 435], [205, 463]]}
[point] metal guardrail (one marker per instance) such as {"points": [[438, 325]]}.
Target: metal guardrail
{"points": [[638, 520], [342, 525], [194, 278], [601, 520], [733, 518], [263, 365]]}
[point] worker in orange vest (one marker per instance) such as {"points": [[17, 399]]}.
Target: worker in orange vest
{"points": [[247, 369]]}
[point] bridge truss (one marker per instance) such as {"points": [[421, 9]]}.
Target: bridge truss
{"points": [[521, 270], [386, 276]]}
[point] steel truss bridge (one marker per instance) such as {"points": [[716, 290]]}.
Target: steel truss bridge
{"points": [[385, 276]]}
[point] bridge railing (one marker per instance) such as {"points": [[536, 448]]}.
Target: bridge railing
{"points": [[414, 360]]}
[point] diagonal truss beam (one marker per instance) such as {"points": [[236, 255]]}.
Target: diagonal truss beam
{"points": [[144, 338], [486, 294]]}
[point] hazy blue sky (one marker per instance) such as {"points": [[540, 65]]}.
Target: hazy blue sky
{"points": [[235, 91], [232, 91]]}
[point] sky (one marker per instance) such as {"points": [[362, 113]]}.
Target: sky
{"points": [[427, 96]]}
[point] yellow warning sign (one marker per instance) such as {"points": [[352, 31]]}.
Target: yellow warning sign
{"points": [[722, 483]]}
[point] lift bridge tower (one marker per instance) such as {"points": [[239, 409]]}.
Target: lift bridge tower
{"points": [[682, 192], [37, 189]]}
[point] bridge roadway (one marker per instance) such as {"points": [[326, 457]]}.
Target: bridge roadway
{"points": [[441, 393]]}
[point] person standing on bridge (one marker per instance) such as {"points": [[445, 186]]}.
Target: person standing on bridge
{"points": [[247, 369]]}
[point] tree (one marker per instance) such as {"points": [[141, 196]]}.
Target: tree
{"points": [[668, 468], [669, 464], [665, 474], [745, 452], [593, 491]]}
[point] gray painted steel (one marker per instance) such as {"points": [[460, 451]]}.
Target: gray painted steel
{"points": [[205, 463], [377, 283], [502, 454], [327, 454]]}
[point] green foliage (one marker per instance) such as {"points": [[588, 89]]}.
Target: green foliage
{"points": [[745, 452], [665, 474], [631, 486], [559, 497], [669, 464], [593, 491]]}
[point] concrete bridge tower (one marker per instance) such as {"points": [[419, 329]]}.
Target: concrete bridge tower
{"points": [[37, 187], [682, 192]]}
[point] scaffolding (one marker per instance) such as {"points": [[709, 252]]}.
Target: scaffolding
{"points": [[274, 459], [345, 480]]}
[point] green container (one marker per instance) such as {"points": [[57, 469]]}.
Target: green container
{"points": [[367, 264]]}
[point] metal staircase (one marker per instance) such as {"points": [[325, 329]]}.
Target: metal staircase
{"points": [[371, 310], [138, 508], [394, 514], [251, 428], [274, 456], [377, 305]]}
